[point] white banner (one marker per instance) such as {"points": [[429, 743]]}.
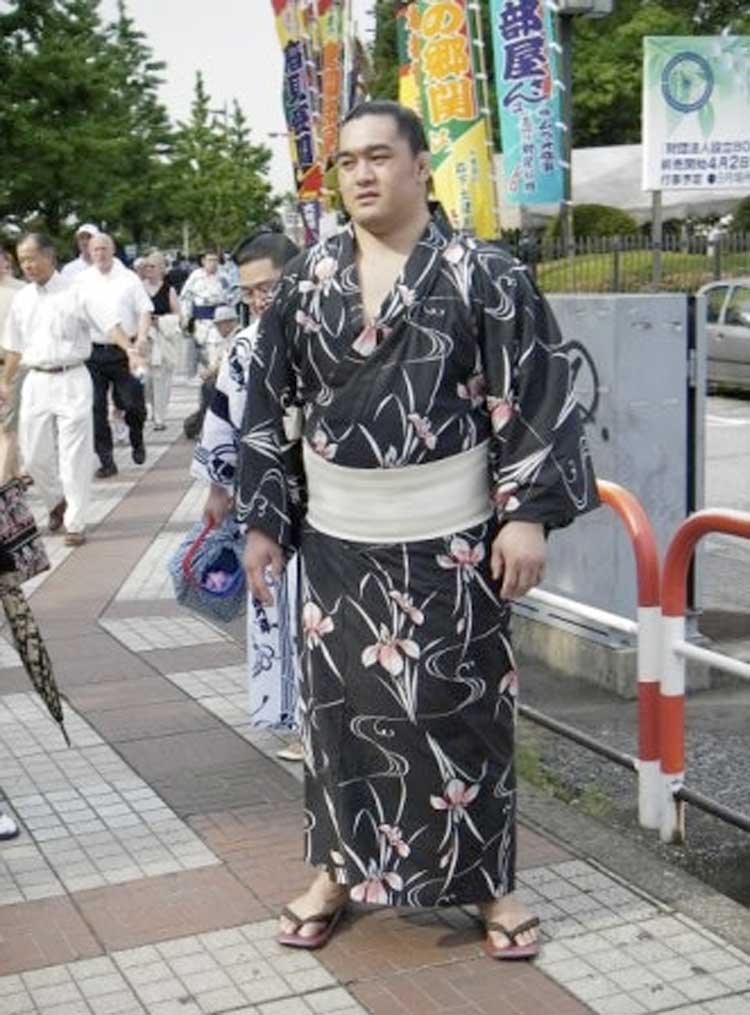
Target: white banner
{"points": [[696, 112]]}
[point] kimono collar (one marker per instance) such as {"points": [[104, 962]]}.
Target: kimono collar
{"points": [[413, 284]]}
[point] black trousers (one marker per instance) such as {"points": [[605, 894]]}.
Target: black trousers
{"points": [[109, 368]]}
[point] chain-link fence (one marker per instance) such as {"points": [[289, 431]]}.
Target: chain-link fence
{"points": [[633, 263]]}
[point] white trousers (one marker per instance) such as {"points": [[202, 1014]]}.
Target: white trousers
{"points": [[158, 390], [56, 431]]}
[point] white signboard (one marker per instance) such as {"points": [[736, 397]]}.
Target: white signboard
{"points": [[696, 112]]}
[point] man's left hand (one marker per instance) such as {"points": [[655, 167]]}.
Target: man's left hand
{"points": [[518, 553]]}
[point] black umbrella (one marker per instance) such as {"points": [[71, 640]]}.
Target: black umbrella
{"points": [[31, 649]]}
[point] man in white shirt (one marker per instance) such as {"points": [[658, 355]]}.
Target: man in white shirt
{"points": [[47, 334], [108, 290], [84, 235]]}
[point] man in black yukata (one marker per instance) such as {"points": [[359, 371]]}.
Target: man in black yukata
{"points": [[410, 427]]}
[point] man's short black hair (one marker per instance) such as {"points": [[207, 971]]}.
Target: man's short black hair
{"points": [[43, 243], [277, 247], [408, 124]]}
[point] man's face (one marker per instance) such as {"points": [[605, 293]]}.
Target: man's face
{"points": [[257, 281], [382, 183], [102, 252], [83, 241], [36, 265], [210, 264]]}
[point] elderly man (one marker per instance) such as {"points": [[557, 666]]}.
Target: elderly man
{"points": [[109, 290], [9, 286], [73, 269], [47, 333], [411, 427]]}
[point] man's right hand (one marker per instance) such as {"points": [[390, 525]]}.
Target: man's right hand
{"points": [[262, 552]]}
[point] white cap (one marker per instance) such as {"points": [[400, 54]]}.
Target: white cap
{"points": [[225, 313], [87, 227]]}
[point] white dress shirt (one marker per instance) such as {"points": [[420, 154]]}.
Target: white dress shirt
{"points": [[73, 269], [47, 326], [119, 293], [9, 286]]}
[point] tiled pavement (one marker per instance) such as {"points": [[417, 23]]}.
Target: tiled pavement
{"points": [[156, 851]]}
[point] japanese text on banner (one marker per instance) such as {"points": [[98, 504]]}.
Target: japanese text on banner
{"points": [[526, 72]]}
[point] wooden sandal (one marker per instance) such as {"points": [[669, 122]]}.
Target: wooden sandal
{"points": [[513, 950], [293, 939]]}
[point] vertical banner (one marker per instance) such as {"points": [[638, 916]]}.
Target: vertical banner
{"points": [[299, 96], [407, 36], [331, 34], [696, 112], [527, 76], [456, 128]]}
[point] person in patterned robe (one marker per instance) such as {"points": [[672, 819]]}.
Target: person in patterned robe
{"points": [[271, 629], [411, 428]]}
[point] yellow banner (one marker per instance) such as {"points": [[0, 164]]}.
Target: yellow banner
{"points": [[463, 184]]}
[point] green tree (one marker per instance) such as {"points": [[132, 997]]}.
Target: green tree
{"points": [[53, 94], [218, 176], [138, 197]]}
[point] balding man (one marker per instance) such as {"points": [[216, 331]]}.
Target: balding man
{"points": [[109, 290], [47, 333]]}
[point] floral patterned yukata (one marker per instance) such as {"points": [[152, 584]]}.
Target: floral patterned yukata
{"points": [[408, 687]]}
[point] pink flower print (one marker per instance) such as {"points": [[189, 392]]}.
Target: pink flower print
{"points": [[475, 390], [462, 555], [367, 342], [423, 428], [320, 446], [509, 684], [453, 253], [503, 498], [306, 322], [377, 886], [408, 296], [456, 798], [406, 603], [325, 269], [389, 652], [501, 411], [314, 625], [395, 839]]}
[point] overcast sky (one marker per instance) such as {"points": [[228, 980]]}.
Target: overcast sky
{"points": [[234, 44]]}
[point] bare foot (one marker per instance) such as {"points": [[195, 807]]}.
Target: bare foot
{"points": [[510, 911], [323, 896]]}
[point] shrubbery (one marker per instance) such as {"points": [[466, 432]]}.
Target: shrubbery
{"points": [[597, 220]]}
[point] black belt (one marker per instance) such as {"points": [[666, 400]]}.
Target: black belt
{"points": [[58, 370]]}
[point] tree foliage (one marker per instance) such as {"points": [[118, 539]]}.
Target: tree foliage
{"points": [[84, 134]]}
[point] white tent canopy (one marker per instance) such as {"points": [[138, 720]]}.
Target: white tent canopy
{"points": [[613, 176]]}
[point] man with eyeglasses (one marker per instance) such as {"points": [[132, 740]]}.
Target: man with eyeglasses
{"points": [[273, 691]]}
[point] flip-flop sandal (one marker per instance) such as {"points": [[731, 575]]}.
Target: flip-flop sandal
{"points": [[513, 950], [293, 939]]}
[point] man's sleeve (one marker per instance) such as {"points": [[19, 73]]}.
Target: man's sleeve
{"points": [[215, 454], [541, 467], [142, 300], [271, 492]]}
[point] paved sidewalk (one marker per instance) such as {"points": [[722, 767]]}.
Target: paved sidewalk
{"points": [[157, 850]]}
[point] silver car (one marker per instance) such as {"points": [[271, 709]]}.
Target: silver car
{"points": [[728, 327]]}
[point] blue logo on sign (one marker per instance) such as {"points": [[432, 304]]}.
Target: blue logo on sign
{"points": [[687, 82]]}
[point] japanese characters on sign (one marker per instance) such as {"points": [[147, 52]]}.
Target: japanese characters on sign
{"points": [[526, 72], [696, 128], [439, 54]]}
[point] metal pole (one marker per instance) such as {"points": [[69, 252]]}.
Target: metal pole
{"points": [[566, 206], [657, 237]]}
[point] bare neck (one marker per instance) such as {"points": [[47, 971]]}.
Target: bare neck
{"points": [[399, 241]]}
